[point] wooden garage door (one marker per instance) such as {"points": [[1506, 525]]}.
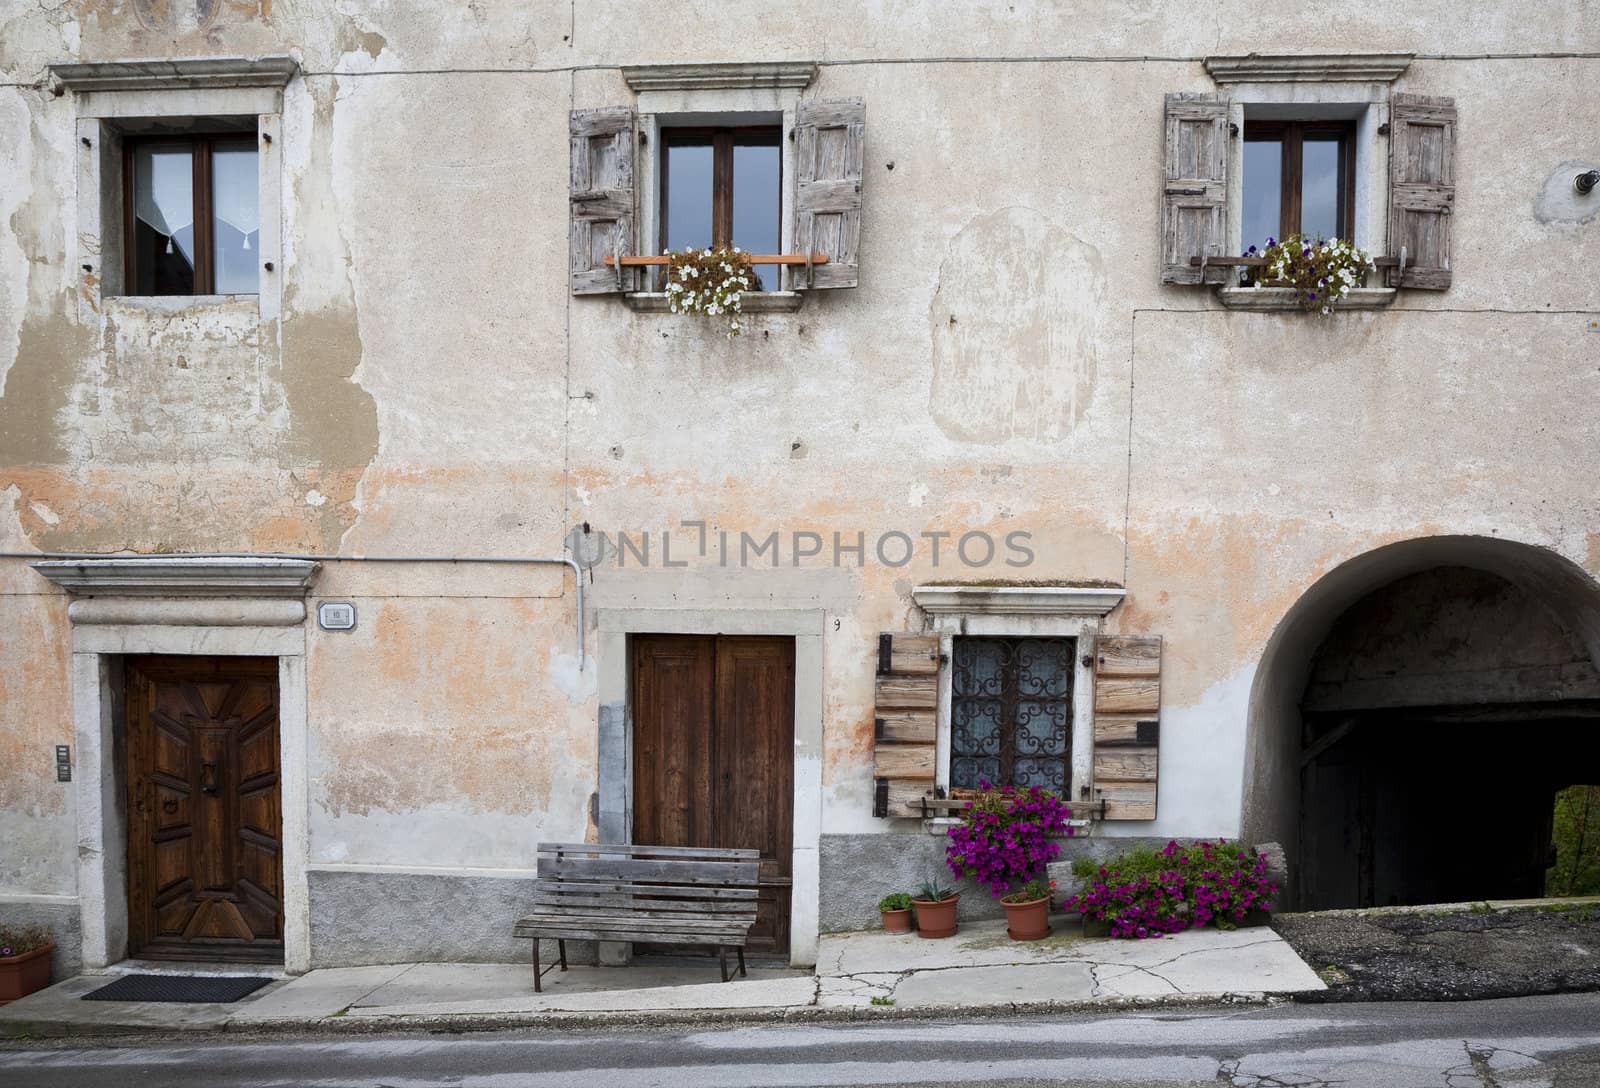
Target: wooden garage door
{"points": [[205, 873], [713, 755]]}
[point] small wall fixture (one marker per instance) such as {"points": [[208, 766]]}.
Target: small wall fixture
{"points": [[1586, 182]]}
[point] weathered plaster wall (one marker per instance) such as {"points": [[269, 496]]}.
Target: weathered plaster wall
{"points": [[1009, 362]]}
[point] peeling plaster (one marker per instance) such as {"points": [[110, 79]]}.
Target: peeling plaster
{"points": [[1014, 323]]}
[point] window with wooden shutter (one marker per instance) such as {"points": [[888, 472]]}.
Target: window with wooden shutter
{"points": [[830, 145], [1127, 726], [1194, 197], [602, 201], [1422, 189], [904, 723]]}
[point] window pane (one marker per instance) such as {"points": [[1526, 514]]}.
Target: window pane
{"points": [[688, 211], [235, 217], [1319, 187], [756, 171], [1263, 191], [163, 208], [1011, 712]]}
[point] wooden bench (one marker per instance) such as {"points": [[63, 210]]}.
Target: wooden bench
{"points": [[661, 894]]}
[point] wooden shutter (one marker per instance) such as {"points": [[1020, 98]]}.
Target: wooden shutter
{"points": [[601, 199], [1422, 189], [1127, 726], [907, 707], [1194, 196], [830, 141]]}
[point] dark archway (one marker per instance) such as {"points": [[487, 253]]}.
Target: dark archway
{"points": [[1412, 716]]}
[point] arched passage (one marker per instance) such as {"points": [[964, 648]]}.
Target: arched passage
{"points": [[1417, 698]]}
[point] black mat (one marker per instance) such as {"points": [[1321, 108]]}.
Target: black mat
{"points": [[184, 988]]}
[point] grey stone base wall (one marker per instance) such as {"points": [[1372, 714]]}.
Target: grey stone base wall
{"points": [[858, 870], [63, 924], [366, 918]]}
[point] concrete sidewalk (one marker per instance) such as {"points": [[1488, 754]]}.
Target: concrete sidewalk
{"points": [[857, 974]]}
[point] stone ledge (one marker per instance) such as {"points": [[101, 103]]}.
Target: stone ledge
{"points": [[752, 302], [1308, 67], [714, 77], [1276, 299], [180, 576], [187, 73], [1018, 600]]}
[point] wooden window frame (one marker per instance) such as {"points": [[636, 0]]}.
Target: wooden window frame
{"points": [[1292, 135], [1008, 701], [723, 139], [202, 146]]}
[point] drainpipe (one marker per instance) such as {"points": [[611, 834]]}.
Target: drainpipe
{"points": [[506, 560]]}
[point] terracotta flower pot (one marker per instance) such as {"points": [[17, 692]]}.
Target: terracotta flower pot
{"points": [[24, 974], [896, 921], [1028, 921], [936, 919]]}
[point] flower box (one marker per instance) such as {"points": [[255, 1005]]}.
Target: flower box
{"points": [[1274, 299], [24, 974]]}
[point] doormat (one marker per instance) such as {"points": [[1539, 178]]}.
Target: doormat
{"points": [[178, 988]]}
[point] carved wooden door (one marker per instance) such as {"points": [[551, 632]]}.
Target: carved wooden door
{"points": [[205, 872]]}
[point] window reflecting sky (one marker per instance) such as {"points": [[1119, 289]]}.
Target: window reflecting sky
{"points": [[1263, 191], [1319, 187]]}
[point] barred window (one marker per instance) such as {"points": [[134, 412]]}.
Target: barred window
{"points": [[1011, 712]]}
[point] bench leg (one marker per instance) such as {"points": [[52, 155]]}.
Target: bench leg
{"points": [[722, 956], [537, 974], [742, 972], [562, 945]]}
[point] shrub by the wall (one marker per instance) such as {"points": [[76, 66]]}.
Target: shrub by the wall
{"points": [[1147, 893]]}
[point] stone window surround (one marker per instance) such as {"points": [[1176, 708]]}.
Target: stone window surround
{"points": [[1345, 86], [111, 97], [1073, 612], [715, 94], [177, 605], [615, 815]]}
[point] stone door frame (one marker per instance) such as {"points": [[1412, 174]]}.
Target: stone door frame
{"points": [[190, 606]]}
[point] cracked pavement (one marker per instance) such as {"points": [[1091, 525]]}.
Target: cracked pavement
{"points": [[1539, 1042], [980, 966]]}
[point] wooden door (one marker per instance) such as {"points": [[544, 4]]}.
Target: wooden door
{"points": [[713, 756], [205, 872]]}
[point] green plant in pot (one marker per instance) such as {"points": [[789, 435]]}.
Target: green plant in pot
{"points": [[24, 962], [936, 909], [896, 912]]}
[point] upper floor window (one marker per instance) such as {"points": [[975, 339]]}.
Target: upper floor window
{"points": [[1299, 178], [192, 215], [723, 186]]}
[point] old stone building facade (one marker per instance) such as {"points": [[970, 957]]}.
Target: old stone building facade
{"points": [[305, 309]]}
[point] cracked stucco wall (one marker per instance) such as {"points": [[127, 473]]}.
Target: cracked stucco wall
{"points": [[430, 387]]}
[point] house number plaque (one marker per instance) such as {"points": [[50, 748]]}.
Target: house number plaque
{"points": [[336, 615]]}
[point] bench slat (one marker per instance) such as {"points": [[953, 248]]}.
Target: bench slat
{"points": [[573, 901], [678, 872], [601, 920], [704, 853], [676, 891], [731, 938]]}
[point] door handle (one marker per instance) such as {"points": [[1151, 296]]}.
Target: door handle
{"points": [[208, 778]]}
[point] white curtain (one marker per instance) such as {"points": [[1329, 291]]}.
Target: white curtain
{"points": [[163, 192]]}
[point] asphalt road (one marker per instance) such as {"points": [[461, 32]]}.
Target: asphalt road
{"points": [[1548, 1041]]}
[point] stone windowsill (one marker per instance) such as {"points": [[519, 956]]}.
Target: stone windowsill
{"points": [[1275, 299], [173, 304], [752, 302], [941, 825]]}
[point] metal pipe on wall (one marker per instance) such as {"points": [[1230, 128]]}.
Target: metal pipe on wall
{"points": [[577, 571]]}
